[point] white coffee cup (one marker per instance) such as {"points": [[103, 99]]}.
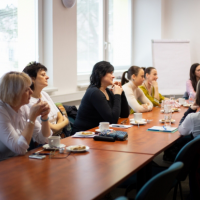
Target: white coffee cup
{"points": [[181, 101], [137, 116], [54, 141], [104, 126]]}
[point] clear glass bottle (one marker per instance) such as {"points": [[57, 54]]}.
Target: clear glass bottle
{"points": [[191, 98]]}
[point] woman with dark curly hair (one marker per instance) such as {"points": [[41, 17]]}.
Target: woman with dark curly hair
{"points": [[100, 104], [191, 84]]}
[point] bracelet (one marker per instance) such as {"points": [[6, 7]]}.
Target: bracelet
{"points": [[29, 121], [44, 120]]}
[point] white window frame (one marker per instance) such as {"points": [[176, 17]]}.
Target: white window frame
{"points": [[83, 79]]}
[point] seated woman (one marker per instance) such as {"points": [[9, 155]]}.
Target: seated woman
{"points": [[189, 127], [191, 84], [99, 104], [190, 121], [150, 86], [37, 72], [133, 93], [18, 123]]}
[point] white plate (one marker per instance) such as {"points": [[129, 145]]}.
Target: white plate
{"points": [[82, 150], [173, 121], [187, 105], [98, 130], [46, 146], [140, 122], [162, 111], [81, 133]]}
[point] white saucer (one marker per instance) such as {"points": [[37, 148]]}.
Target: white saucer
{"points": [[98, 130], [46, 146], [138, 122], [172, 121], [82, 150]]}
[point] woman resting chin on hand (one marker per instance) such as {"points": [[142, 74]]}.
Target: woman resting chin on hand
{"points": [[37, 72], [17, 122]]}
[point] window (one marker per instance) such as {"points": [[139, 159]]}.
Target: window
{"points": [[18, 34], [103, 33]]}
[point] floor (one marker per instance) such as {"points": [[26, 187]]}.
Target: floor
{"points": [[117, 192]]}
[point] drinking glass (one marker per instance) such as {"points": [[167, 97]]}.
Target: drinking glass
{"points": [[167, 114]]}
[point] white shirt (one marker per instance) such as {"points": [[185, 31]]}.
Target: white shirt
{"points": [[191, 124], [133, 94], [53, 109], [12, 123]]}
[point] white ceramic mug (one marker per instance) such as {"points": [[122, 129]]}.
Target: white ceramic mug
{"points": [[104, 126], [181, 101], [54, 141], [137, 116]]}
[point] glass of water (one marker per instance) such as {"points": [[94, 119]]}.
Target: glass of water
{"points": [[167, 114]]}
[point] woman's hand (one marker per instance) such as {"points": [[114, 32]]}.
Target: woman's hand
{"points": [[194, 106], [117, 83], [154, 84], [145, 106], [117, 89]]}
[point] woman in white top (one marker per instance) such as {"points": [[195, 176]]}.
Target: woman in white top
{"points": [[133, 93], [37, 72], [18, 123], [189, 124]]}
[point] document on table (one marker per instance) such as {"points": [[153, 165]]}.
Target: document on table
{"points": [[120, 126], [163, 129]]}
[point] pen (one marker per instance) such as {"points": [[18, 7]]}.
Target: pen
{"points": [[41, 153], [164, 128]]}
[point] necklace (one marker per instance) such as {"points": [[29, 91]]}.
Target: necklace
{"points": [[147, 88], [105, 93]]}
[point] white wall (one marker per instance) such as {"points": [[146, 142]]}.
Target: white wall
{"points": [[180, 20], [146, 25], [155, 19]]}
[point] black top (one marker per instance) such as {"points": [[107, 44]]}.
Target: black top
{"points": [[96, 108]]}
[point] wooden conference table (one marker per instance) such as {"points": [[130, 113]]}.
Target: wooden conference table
{"points": [[88, 175]]}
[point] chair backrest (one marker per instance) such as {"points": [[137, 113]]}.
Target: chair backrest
{"points": [[187, 155], [158, 187], [185, 96]]}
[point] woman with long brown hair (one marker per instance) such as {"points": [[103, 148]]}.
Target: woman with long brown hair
{"points": [[191, 84], [134, 94]]}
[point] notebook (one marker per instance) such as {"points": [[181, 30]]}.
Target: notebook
{"points": [[163, 129]]}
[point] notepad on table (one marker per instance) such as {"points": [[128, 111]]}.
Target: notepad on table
{"points": [[163, 129]]}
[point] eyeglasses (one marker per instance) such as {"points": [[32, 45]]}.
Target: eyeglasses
{"points": [[54, 154]]}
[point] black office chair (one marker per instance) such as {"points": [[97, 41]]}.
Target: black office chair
{"points": [[159, 186], [185, 96], [186, 155]]}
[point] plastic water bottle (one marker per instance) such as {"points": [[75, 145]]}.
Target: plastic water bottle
{"points": [[191, 98]]}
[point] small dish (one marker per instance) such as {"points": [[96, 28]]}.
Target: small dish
{"points": [[162, 111], [81, 150], [46, 146], [98, 130], [187, 105], [138, 122], [163, 121], [85, 133]]}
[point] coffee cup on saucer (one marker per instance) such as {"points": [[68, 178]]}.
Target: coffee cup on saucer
{"points": [[104, 126], [137, 116], [54, 141]]}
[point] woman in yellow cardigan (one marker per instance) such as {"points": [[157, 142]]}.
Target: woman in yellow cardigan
{"points": [[150, 86]]}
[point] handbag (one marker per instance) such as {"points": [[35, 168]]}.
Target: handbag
{"points": [[117, 135]]}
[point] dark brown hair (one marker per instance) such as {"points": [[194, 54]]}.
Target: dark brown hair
{"points": [[132, 70], [148, 71], [193, 76], [197, 99], [32, 69]]}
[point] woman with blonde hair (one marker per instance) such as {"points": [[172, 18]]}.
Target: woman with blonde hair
{"points": [[18, 123], [134, 94]]}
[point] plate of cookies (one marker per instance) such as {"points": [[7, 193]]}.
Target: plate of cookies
{"points": [[78, 148]]}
